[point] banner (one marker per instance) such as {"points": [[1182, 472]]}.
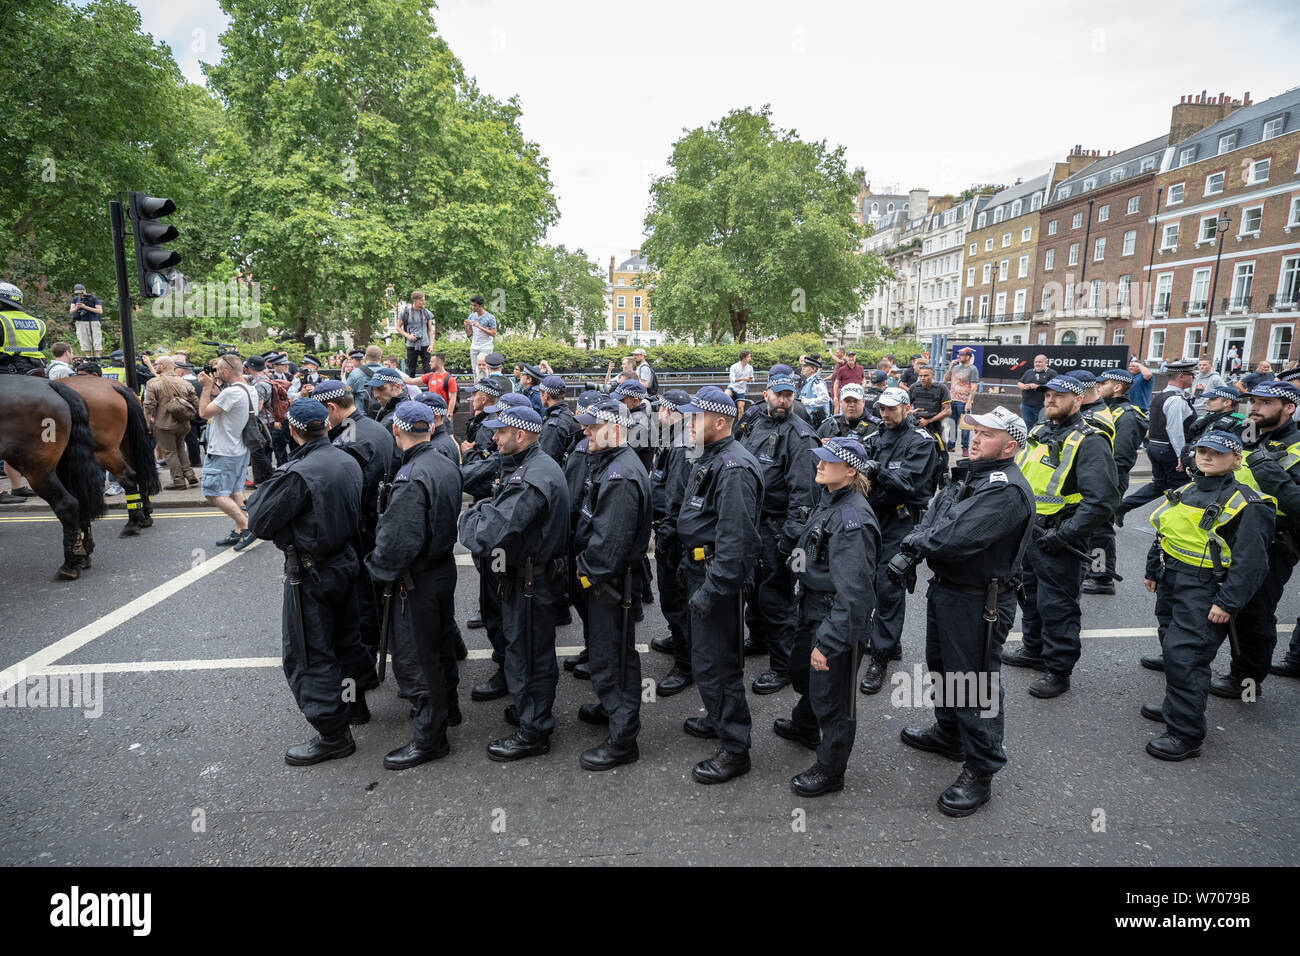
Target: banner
{"points": [[1008, 362]]}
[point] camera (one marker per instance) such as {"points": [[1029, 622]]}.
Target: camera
{"points": [[223, 348], [902, 569]]}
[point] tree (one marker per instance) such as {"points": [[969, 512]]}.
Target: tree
{"points": [[753, 233], [569, 292]]}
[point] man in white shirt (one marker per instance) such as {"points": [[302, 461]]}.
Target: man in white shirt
{"points": [[226, 401], [481, 327], [1204, 380], [60, 367], [740, 373]]}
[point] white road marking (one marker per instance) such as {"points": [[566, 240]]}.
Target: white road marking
{"points": [[23, 519]]}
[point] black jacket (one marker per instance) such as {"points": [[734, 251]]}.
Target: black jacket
{"points": [[837, 426], [529, 516], [720, 506], [1272, 478], [560, 431], [373, 447], [907, 455], [312, 502], [1093, 476], [420, 520], [789, 473], [614, 517], [1130, 429], [840, 547]]}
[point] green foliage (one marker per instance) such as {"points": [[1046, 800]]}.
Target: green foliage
{"points": [[569, 294]]}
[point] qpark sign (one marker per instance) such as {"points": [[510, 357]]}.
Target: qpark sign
{"points": [[1009, 362]]}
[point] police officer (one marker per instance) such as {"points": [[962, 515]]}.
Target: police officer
{"points": [[523, 533], [641, 439], [1289, 666], [718, 529], [1170, 411], [530, 379], [610, 541], [559, 431], [1209, 557], [813, 396], [850, 421], [1222, 414], [779, 442], [1128, 425], [905, 462], [477, 450], [444, 443], [376, 453], [575, 476], [414, 566], [1069, 465], [1272, 467], [835, 557], [877, 382], [310, 507], [974, 536], [667, 485], [23, 337], [308, 377], [388, 390]]}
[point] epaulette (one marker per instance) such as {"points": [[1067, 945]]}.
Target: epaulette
{"points": [[731, 460], [922, 431], [581, 446], [614, 471], [804, 429], [403, 473], [849, 515], [518, 475]]}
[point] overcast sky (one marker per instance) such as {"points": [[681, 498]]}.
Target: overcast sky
{"points": [[921, 94]]}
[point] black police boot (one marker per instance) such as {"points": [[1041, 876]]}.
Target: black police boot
{"points": [[769, 682], [874, 678], [1286, 668], [582, 671], [700, 727], [664, 645], [674, 682], [575, 659], [358, 710], [721, 767], [462, 651], [517, 746], [474, 623], [1169, 747], [1022, 657], [412, 755], [785, 728], [932, 739], [754, 645], [638, 614], [815, 781], [490, 689], [1098, 586], [609, 755], [1153, 662], [594, 714], [318, 749], [511, 715], [1232, 688], [1153, 712], [968, 793], [454, 717], [1050, 685]]}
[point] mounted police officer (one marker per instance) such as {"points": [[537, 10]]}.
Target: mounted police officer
{"points": [[1069, 465], [611, 539], [23, 337], [974, 536], [310, 507], [414, 566], [559, 431], [834, 562], [718, 529], [523, 534], [443, 441], [667, 486], [850, 421], [1210, 555], [906, 461], [1127, 430], [575, 476], [1272, 467], [779, 442], [1171, 409]]}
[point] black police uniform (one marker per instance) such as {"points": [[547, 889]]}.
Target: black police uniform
{"points": [[481, 479], [907, 456], [837, 426], [385, 414], [840, 546], [1189, 585], [559, 431], [611, 539], [641, 439], [718, 529], [413, 556], [312, 503], [1165, 475], [1230, 422], [780, 446], [444, 443], [528, 522], [871, 402], [976, 532], [667, 486], [1130, 426], [575, 477]]}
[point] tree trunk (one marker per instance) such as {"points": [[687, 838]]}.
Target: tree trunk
{"points": [[739, 324]]}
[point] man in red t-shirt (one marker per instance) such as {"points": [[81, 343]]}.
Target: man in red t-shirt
{"points": [[849, 372], [439, 381]]}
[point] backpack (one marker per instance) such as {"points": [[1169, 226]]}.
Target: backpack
{"points": [[279, 399], [653, 387], [254, 434]]}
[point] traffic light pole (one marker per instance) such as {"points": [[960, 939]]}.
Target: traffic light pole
{"points": [[123, 293]]}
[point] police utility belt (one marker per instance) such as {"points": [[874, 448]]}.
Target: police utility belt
{"points": [[309, 562]]}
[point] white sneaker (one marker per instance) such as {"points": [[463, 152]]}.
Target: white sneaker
{"points": [[113, 489]]}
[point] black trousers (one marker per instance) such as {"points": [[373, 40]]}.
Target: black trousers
{"points": [[1103, 540], [192, 446], [824, 696], [1052, 616], [769, 605], [417, 357], [260, 458], [672, 601], [489, 609], [716, 639], [619, 693], [956, 636], [280, 443], [424, 651], [1164, 476], [1189, 642], [334, 651], [891, 598], [1257, 621], [531, 679]]}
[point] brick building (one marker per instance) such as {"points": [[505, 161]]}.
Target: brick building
{"points": [[630, 321]]}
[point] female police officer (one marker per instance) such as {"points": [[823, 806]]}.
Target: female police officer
{"points": [[835, 563]]}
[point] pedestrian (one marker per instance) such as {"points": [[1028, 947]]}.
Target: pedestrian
{"points": [[848, 373], [912, 374], [87, 314], [962, 379], [1263, 373], [170, 403], [1170, 411], [931, 404], [228, 403], [1210, 555], [1031, 399], [309, 508], [559, 429], [439, 381], [524, 533], [645, 374], [1205, 379], [1143, 380], [415, 324], [837, 552], [813, 396], [667, 485], [1129, 424], [61, 366], [260, 454], [974, 538], [481, 328], [1071, 470], [371, 361], [718, 529], [739, 375], [610, 543], [413, 564]]}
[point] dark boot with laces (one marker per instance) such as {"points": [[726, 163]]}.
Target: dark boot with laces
{"points": [[969, 792]]}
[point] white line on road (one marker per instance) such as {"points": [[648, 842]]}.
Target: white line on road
{"points": [[24, 519]]}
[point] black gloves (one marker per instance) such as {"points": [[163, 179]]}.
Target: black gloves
{"points": [[1053, 542]]}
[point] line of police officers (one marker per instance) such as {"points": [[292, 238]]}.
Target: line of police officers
{"points": [[806, 540]]}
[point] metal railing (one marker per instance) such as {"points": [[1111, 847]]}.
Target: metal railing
{"points": [[1195, 306], [1237, 302], [1284, 302]]}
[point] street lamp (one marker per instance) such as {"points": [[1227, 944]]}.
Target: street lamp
{"points": [[1221, 225]]}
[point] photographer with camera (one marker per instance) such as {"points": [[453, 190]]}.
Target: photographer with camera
{"points": [[228, 403], [86, 312]]}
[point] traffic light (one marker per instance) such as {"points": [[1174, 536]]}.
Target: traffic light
{"points": [[151, 259]]}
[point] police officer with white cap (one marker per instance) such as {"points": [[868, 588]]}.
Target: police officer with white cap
{"points": [[974, 537], [851, 420]]}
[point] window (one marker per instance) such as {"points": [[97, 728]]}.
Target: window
{"points": [[1094, 294], [1200, 292], [966, 310], [1051, 228], [1123, 291], [1063, 192], [1015, 209], [1228, 141], [1130, 242], [997, 214], [1156, 350], [1099, 249], [1074, 254], [1294, 218], [1243, 283], [1047, 304], [1279, 344], [1134, 204], [1274, 127], [1069, 296], [1175, 194], [1103, 214], [1090, 340], [1116, 174], [621, 302], [929, 245], [1069, 337], [1192, 341], [1042, 338], [1251, 220], [636, 323], [988, 270], [875, 208], [1117, 337], [1019, 307], [1259, 171], [1026, 234], [1148, 164], [970, 276], [1035, 201], [622, 323], [1000, 305], [1288, 287], [1164, 288], [981, 220], [1187, 156], [1214, 183], [1049, 260], [1023, 269], [988, 244], [1006, 239], [1077, 221], [1169, 238], [984, 307], [1089, 183], [1002, 270], [973, 247], [1208, 226], [636, 302], [620, 281]]}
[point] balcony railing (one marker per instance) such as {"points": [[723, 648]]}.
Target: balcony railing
{"points": [[1237, 303], [1195, 306], [964, 319], [1161, 307], [1007, 318], [1284, 302]]}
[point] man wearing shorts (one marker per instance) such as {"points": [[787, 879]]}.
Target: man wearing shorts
{"points": [[87, 312], [226, 401]]}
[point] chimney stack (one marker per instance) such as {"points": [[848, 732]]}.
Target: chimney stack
{"points": [[1194, 113], [611, 269]]}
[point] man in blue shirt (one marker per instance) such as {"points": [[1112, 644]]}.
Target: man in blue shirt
{"points": [[481, 327], [1140, 393]]}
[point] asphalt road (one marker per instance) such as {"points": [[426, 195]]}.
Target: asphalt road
{"points": [[185, 763]]}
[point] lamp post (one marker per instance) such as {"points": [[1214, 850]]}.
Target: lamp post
{"points": [[993, 298], [1221, 226]]}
